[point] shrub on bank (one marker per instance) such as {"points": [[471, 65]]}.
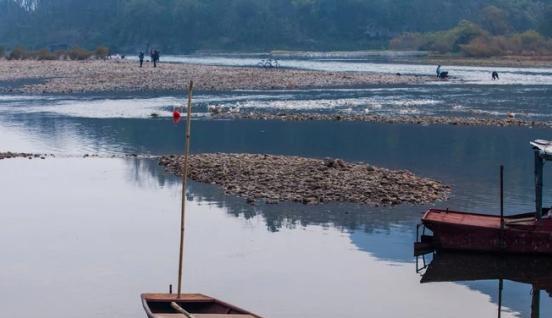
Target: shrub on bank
{"points": [[79, 54], [76, 53], [18, 53], [453, 39], [408, 41], [526, 43], [101, 52], [482, 46], [442, 42], [43, 55], [469, 39]]}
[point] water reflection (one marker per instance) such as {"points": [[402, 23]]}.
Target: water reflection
{"points": [[463, 267], [273, 248], [87, 232]]}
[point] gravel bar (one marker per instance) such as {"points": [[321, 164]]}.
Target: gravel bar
{"points": [[273, 179]]}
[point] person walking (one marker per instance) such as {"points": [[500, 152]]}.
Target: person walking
{"points": [[155, 58], [141, 57], [495, 75], [438, 71]]}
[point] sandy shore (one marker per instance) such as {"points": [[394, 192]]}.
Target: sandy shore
{"points": [[65, 77], [273, 179]]}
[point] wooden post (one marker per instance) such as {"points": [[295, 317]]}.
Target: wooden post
{"points": [[184, 182], [501, 207], [535, 303], [500, 288], [539, 162], [502, 196]]}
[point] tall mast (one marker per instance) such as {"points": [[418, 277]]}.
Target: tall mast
{"points": [[184, 182]]}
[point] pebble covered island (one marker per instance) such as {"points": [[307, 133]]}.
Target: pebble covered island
{"points": [[509, 121], [273, 179], [111, 76]]}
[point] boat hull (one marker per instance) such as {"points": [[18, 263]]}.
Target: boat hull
{"points": [[198, 305], [521, 234]]}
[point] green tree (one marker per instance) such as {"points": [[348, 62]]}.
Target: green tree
{"points": [[495, 20]]}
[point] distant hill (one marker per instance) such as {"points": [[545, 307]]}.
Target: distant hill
{"points": [[254, 25]]}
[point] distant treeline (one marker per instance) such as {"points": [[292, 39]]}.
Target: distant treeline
{"points": [[176, 26], [494, 36]]}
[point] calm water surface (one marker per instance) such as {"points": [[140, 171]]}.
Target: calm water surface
{"points": [[93, 234]]}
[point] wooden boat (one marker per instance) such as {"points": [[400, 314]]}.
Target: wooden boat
{"points": [[522, 233], [190, 306], [527, 233]]}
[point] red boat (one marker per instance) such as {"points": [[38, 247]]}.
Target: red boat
{"points": [[528, 233], [523, 233]]}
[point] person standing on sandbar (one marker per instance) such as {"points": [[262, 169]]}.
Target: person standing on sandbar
{"points": [[141, 57]]}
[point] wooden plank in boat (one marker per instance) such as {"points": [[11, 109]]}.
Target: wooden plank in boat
{"points": [[173, 297], [203, 316], [469, 219], [221, 316]]}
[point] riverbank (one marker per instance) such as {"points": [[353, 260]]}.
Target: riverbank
{"points": [[272, 179], [97, 76], [385, 119]]}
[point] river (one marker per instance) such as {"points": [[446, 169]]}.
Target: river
{"points": [[88, 235]]}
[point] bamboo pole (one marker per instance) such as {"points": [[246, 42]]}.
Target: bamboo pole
{"points": [[501, 243], [184, 182]]}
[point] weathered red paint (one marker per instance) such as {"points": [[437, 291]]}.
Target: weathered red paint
{"points": [[522, 233]]}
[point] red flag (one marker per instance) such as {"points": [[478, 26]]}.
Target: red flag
{"points": [[176, 115]]}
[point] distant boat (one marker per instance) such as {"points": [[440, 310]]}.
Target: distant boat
{"points": [[526, 233], [190, 306]]}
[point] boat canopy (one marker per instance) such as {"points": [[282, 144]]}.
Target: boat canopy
{"points": [[543, 152], [543, 147]]}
